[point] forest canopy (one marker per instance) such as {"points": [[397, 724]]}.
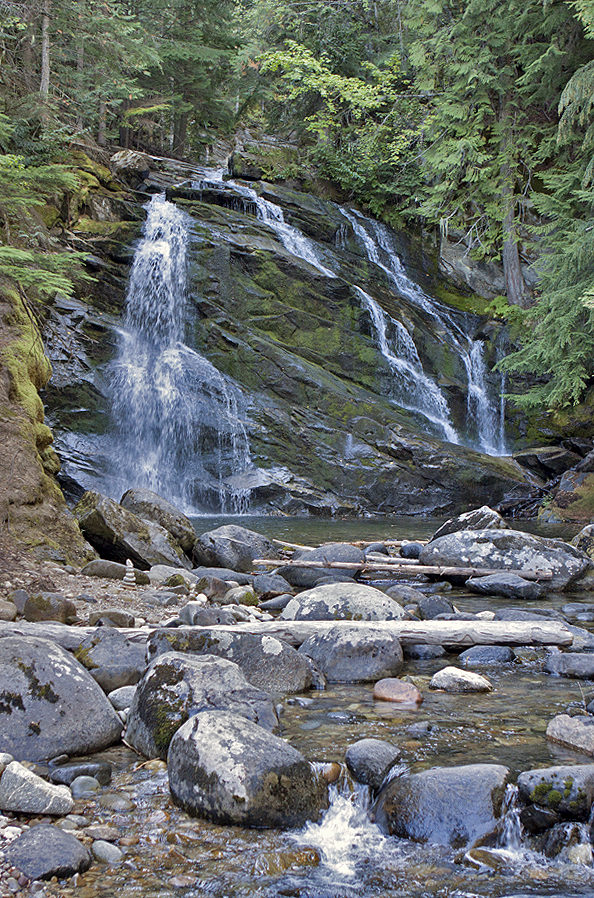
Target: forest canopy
{"points": [[473, 119]]}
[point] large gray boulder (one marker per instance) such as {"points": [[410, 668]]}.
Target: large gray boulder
{"points": [[349, 655], [569, 791], [177, 687], [49, 703], [508, 550], [231, 771], [575, 666], [445, 805], [483, 518], [332, 552], [118, 534], [232, 547], [23, 792], [112, 659], [152, 507], [45, 851], [267, 662], [343, 601], [511, 586]]}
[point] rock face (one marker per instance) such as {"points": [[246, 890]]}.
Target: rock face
{"points": [[446, 805], [232, 547], [343, 601], [117, 534], [177, 687], [268, 663], [508, 550], [49, 703], [347, 655], [231, 771]]}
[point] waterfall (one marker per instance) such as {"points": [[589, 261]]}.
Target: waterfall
{"points": [[179, 430], [484, 415]]}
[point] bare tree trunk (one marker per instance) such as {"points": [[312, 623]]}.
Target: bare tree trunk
{"points": [[80, 68], [515, 286], [45, 50]]}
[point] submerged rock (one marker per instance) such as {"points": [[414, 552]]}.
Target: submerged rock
{"points": [[445, 805], [177, 687], [231, 771]]}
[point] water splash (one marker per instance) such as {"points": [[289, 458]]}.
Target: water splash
{"points": [[178, 420]]}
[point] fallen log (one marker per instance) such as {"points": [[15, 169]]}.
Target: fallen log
{"points": [[403, 566], [454, 634]]}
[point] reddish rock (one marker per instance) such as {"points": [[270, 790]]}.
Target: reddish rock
{"points": [[392, 689]]}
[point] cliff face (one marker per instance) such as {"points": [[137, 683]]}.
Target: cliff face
{"points": [[331, 427]]}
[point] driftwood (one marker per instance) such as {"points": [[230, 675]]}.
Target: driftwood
{"points": [[403, 566], [457, 634]]}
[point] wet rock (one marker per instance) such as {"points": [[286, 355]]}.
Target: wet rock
{"points": [[113, 570], [509, 585], [349, 655], [400, 692], [152, 507], [558, 841], [121, 698], [536, 820], [411, 550], [576, 733], [431, 606], [177, 687], [232, 547], [106, 853], [23, 792], [452, 679], [445, 805], [332, 552], [268, 663], [112, 659], [117, 534], [45, 851], [66, 773], [49, 606], [370, 760], [85, 787], [484, 655], [576, 666], [52, 704], [483, 518], [509, 550], [566, 790], [231, 771], [343, 601], [422, 652], [114, 617]]}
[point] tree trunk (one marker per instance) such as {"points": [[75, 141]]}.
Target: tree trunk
{"points": [[515, 286], [45, 50], [101, 136]]}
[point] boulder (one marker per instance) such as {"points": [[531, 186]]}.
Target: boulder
{"points": [[511, 586], [568, 791], [232, 547], [152, 507], [112, 570], [112, 659], [405, 595], [343, 601], [430, 607], [576, 733], [50, 704], [305, 577], [49, 606], [219, 574], [445, 805], [23, 792], [584, 540], [160, 573], [508, 550], [177, 687], [195, 614], [576, 666], [485, 655], [65, 774], [267, 662], [349, 655], [391, 689], [452, 679], [370, 760], [112, 617], [117, 534], [483, 518], [8, 611], [45, 851], [268, 586], [231, 771]]}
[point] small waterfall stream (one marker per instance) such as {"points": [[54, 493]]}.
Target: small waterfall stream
{"points": [[179, 427]]}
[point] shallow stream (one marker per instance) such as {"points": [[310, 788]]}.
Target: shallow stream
{"points": [[168, 853]]}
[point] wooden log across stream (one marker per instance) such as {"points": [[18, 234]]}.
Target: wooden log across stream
{"points": [[455, 634], [406, 567]]}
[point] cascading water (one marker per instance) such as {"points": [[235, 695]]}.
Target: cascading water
{"points": [[178, 421], [485, 416]]}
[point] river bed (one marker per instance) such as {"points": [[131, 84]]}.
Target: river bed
{"points": [[170, 854]]}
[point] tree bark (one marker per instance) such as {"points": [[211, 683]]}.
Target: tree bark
{"points": [[447, 572], [45, 50]]}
